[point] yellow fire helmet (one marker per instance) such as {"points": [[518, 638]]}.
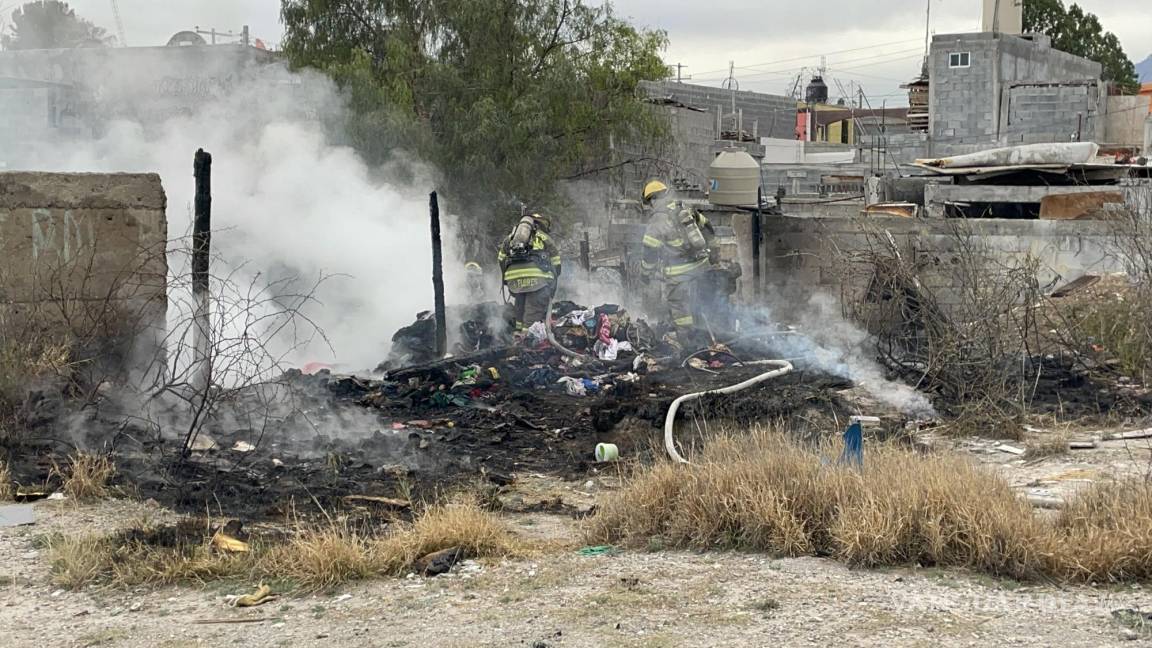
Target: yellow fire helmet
{"points": [[544, 221], [472, 266], [654, 189]]}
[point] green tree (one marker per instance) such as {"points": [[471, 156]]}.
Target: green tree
{"points": [[504, 97], [49, 24], [1077, 32]]}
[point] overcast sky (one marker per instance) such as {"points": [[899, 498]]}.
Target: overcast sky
{"points": [[876, 44]]}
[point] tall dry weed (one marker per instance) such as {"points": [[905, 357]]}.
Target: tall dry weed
{"points": [[7, 487], [763, 492], [88, 476]]}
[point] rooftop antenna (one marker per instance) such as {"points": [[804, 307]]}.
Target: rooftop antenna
{"points": [[119, 24], [795, 93], [927, 37], [732, 85]]}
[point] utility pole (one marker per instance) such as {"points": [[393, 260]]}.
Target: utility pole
{"points": [[679, 73]]}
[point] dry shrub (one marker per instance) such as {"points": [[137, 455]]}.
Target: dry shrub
{"points": [[26, 360], [763, 492], [88, 476], [7, 488]]}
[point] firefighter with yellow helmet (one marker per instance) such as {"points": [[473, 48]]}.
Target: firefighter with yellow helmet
{"points": [[474, 281], [677, 246], [530, 263]]}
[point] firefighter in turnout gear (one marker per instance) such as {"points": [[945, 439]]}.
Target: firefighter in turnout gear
{"points": [[677, 244], [531, 265]]}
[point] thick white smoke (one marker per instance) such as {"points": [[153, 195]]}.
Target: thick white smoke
{"points": [[286, 201], [826, 341]]}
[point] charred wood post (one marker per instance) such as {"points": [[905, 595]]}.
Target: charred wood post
{"points": [[586, 254], [201, 250], [438, 278]]}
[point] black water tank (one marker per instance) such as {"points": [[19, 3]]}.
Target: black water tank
{"points": [[816, 92]]}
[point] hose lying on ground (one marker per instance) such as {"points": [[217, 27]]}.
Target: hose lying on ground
{"points": [[783, 367], [552, 338]]}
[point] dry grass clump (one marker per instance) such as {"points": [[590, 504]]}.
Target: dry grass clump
{"points": [[1053, 445], [7, 488], [477, 532], [27, 357], [313, 559], [180, 554], [328, 556], [78, 560], [322, 558], [763, 492], [1106, 533], [88, 476]]}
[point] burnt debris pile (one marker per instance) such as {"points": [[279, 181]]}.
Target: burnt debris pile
{"points": [[501, 407]]}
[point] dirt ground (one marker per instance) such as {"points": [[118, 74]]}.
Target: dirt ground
{"points": [[560, 599]]}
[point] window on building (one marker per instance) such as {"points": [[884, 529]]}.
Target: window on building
{"points": [[959, 59]]}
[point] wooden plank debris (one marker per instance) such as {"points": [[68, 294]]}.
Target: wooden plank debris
{"points": [[1079, 206], [1131, 435]]}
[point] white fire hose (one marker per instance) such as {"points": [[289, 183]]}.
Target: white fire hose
{"points": [[782, 367]]}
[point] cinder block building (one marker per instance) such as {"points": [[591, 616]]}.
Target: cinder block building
{"points": [[1011, 89]]}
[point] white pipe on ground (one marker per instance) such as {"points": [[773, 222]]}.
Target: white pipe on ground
{"points": [[783, 367]]}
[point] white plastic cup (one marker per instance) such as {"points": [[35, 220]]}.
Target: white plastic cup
{"points": [[607, 452]]}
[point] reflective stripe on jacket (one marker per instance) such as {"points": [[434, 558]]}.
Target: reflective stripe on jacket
{"points": [[538, 268], [664, 245]]}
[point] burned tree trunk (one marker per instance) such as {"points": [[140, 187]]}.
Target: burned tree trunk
{"points": [[201, 250], [438, 279]]}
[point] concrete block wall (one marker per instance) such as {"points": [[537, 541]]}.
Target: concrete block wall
{"points": [[775, 115], [1037, 113], [1015, 90], [1124, 120], [961, 99], [936, 195], [83, 256], [806, 255]]}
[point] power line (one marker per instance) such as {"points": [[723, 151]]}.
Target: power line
{"points": [[904, 54], [816, 55]]}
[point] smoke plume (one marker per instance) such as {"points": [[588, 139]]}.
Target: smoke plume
{"points": [[286, 201]]}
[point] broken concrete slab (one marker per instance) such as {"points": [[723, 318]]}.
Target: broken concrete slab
{"points": [[12, 515]]}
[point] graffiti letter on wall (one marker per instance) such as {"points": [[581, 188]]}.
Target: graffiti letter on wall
{"points": [[66, 241]]}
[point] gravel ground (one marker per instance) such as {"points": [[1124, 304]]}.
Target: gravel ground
{"points": [[561, 600]]}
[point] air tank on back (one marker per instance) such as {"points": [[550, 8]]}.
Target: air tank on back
{"points": [[734, 178]]}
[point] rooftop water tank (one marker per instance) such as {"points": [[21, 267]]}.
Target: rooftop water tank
{"points": [[734, 178], [817, 91]]}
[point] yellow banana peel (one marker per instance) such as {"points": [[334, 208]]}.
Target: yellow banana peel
{"points": [[227, 543], [262, 595]]}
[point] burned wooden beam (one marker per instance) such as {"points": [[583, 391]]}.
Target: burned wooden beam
{"points": [[438, 278], [201, 252]]}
